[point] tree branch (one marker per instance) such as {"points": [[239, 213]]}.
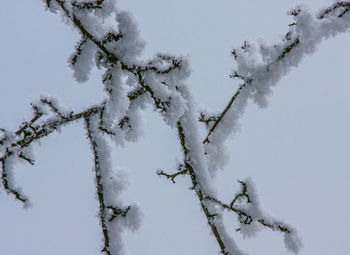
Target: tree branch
{"points": [[99, 186], [342, 8], [197, 188], [243, 216], [223, 113], [162, 65], [181, 170]]}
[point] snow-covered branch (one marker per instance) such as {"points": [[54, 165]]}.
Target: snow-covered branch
{"points": [[113, 219], [17, 145], [131, 83], [261, 66]]}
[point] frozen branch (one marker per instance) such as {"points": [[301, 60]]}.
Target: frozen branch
{"points": [[161, 82], [99, 186], [108, 187], [261, 67], [344, 7], [243, 216], [181, 170], [117, 211], [28, 133]]}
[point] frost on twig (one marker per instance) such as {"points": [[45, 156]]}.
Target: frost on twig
{"points": [[252, 218], [131, 83], [48, 116], [181, 170], [113, 218], [260, 66]]}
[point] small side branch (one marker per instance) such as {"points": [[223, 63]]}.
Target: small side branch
{"points": [[223, 113], [55, 109], [6, 182], [181, 171], [242, 194], [117, 212], [244, 217], [336, 7], [207, 120], [29, 160], [274, 226], [88, 5]]}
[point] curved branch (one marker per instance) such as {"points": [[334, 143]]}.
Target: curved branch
{"points": [[181, 170], [339, 9]]}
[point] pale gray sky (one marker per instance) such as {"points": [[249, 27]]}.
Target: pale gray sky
{"points": [[296, 150]]}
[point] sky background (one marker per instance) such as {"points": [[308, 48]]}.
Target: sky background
{"points": [[296, 150]]}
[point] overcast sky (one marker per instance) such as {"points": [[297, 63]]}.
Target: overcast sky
{"points": [[296, 150]]}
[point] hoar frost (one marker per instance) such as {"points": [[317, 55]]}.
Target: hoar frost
{"points": [[110, 40]]}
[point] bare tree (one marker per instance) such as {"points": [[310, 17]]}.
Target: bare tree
{"points": [[131, 83]]}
